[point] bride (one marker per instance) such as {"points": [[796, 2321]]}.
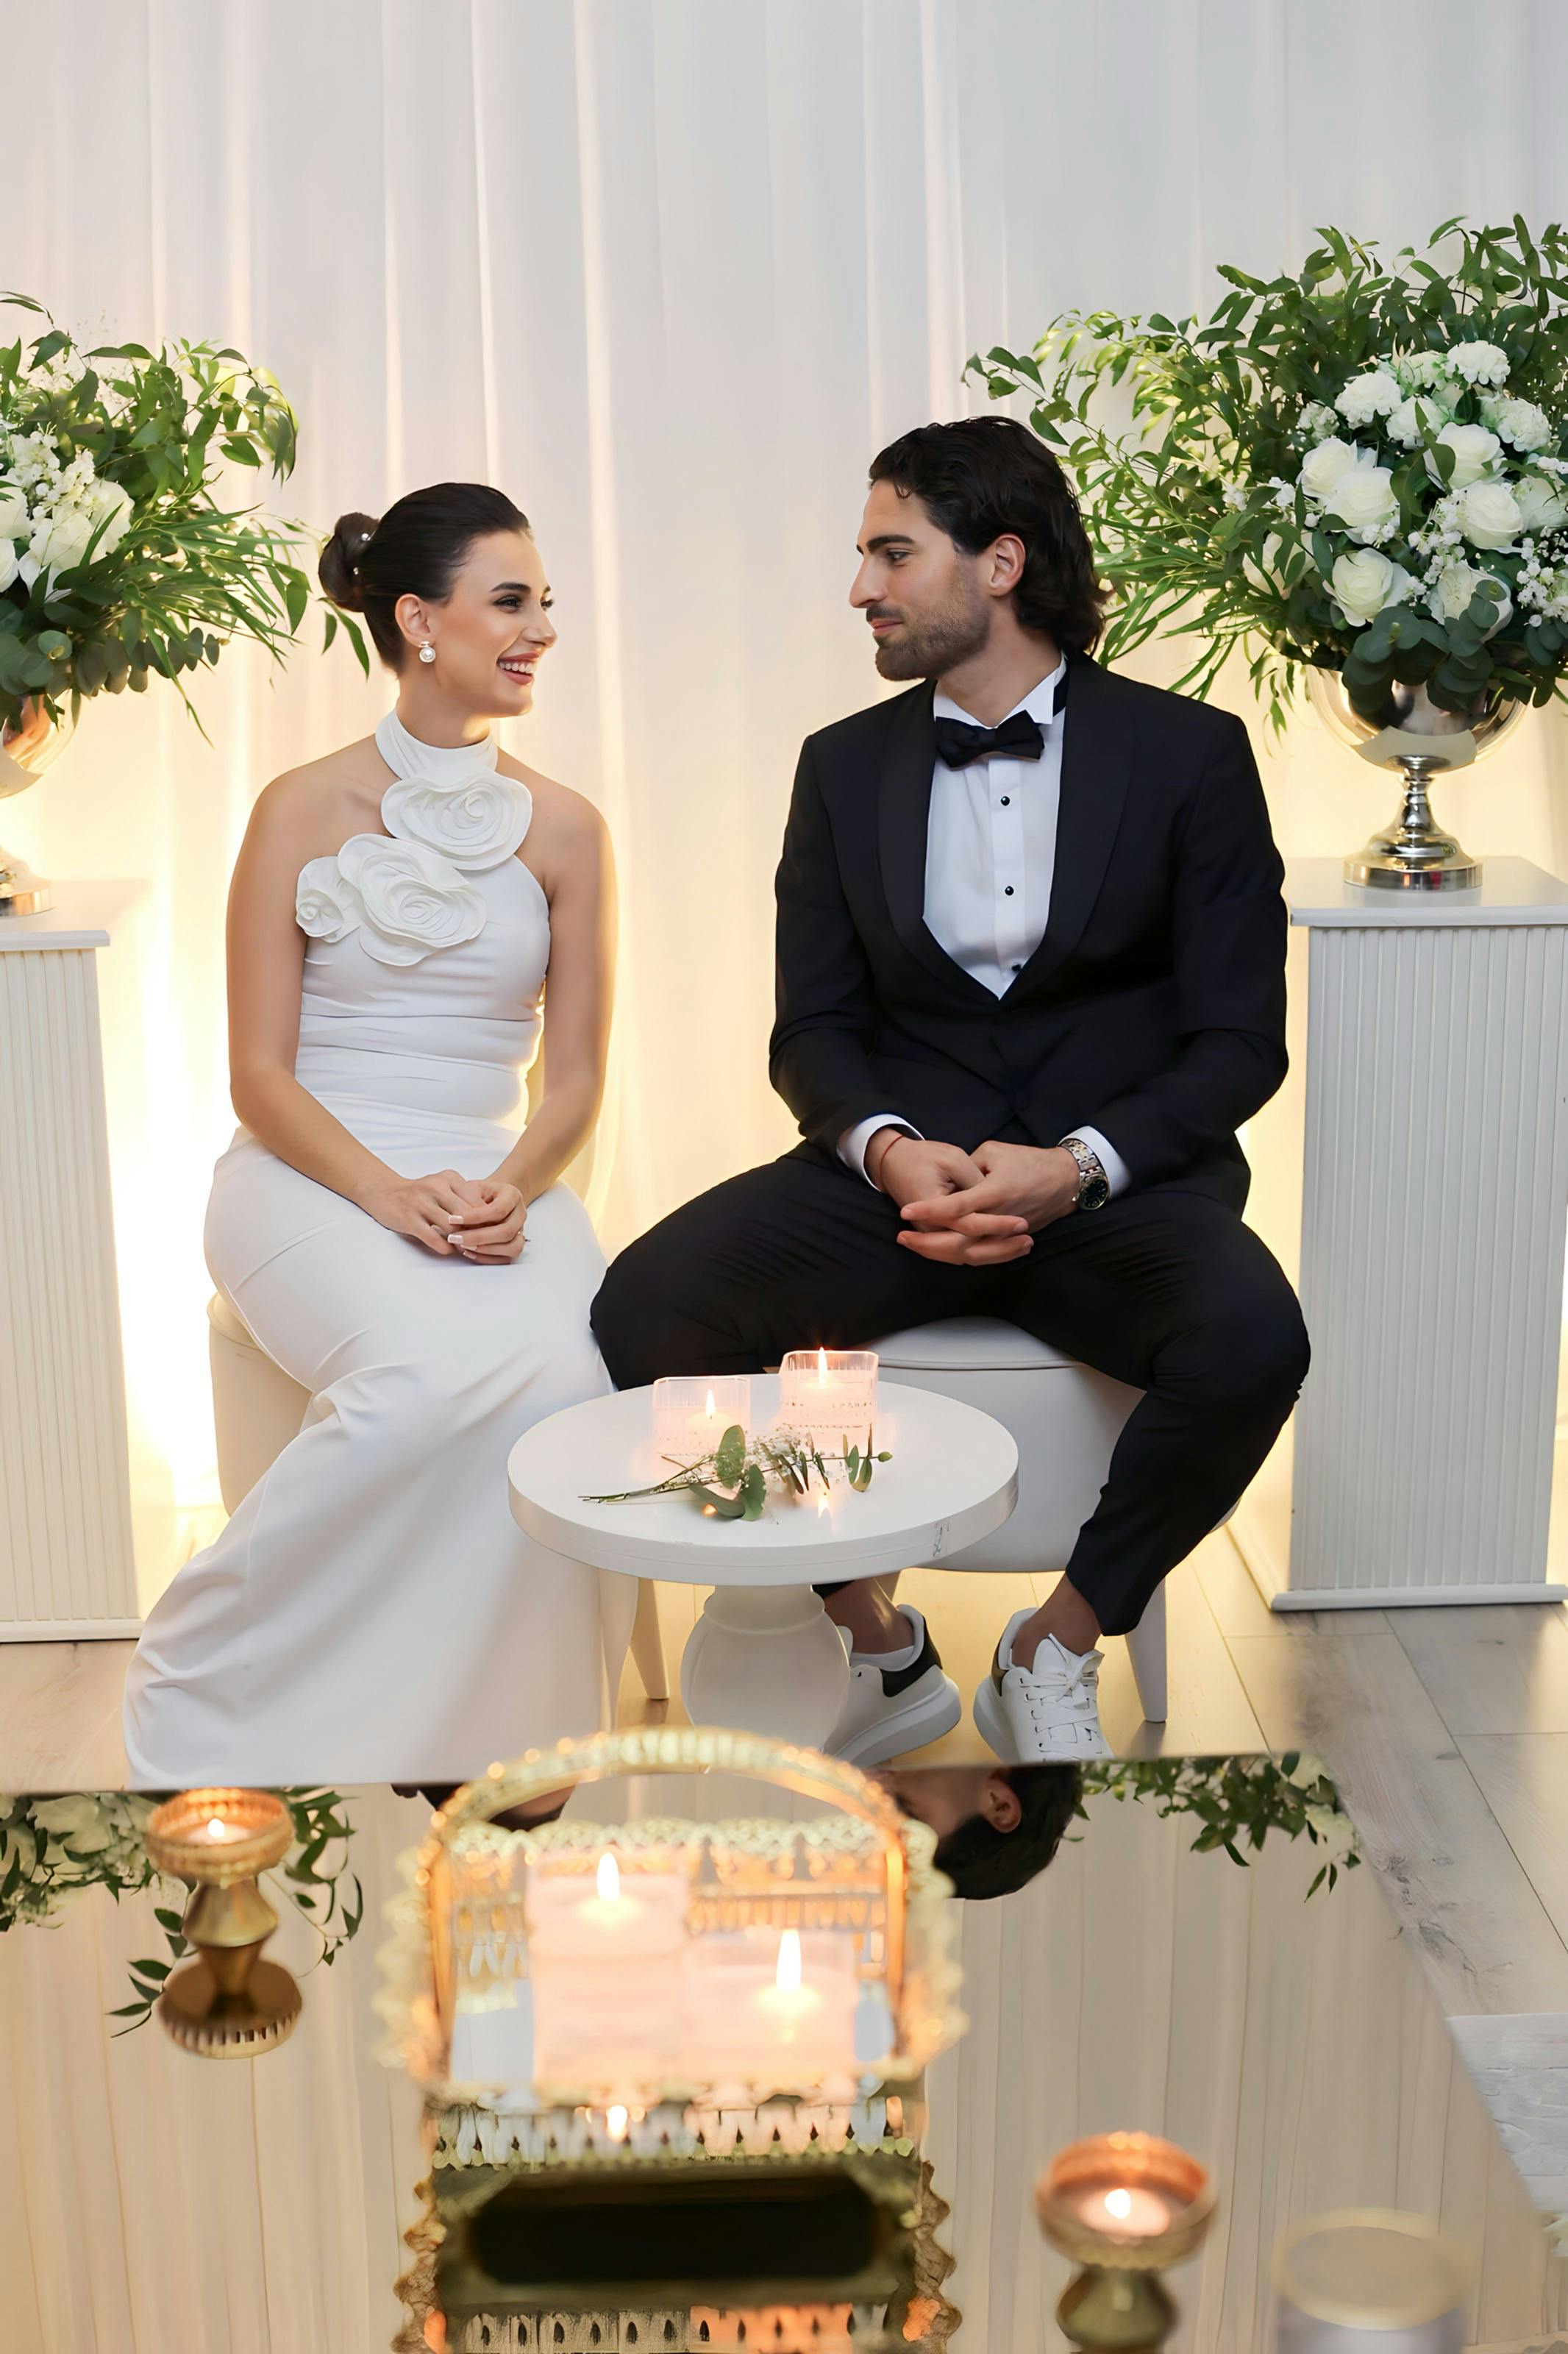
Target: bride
{"points": [[387, 1228]]}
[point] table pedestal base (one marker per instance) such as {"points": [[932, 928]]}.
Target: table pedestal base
{"points": [[767, 1660]]}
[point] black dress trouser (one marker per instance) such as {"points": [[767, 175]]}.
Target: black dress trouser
{"points": [[1164, 1289]]}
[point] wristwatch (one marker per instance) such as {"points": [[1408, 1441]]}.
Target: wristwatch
{"points": [[1094, 1185]]}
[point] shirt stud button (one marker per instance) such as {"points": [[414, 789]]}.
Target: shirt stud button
{"points": [[1006, 800], [1009, 889]]}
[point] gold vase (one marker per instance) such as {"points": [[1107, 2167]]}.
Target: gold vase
{"points": [[27, 747], [228, 2003], [1419, 738]]}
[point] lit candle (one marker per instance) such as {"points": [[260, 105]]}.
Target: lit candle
{"points": [[216, 1832], [692, 1414], [829, 1395], [783, 2013], [1127, 2211], [608, 1972], [645, 1915]]}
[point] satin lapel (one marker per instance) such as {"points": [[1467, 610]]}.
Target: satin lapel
{"points": [[903, 814], [1096, 770]]}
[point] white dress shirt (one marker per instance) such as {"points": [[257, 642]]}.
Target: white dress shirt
{"points": [[990, 855]]}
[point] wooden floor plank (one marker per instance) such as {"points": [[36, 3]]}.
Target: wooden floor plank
{"points": [[60, 1715], [1210, 1714], [1449, 1872], [1523, 1777], [1500, 1669]]}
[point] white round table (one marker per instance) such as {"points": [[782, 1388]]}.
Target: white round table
{"points": [[764, 1656]]}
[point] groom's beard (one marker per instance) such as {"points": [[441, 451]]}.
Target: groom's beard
{"points": [[937, 640]]}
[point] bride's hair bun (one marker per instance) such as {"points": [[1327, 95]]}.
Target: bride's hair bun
{"points": [[338, 570]]}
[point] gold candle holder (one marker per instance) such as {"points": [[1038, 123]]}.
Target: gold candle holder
{"points": [[226, 2001], [1124, 2206]]}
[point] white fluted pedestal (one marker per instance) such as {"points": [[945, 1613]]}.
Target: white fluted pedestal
{"points": [[67, 1567], [1430, 1150]]}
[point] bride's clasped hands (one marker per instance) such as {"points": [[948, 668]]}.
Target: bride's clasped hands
{"points": [[481, 1219]]}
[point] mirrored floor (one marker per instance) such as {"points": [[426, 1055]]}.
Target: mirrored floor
{"points": [[1182, 1947]]}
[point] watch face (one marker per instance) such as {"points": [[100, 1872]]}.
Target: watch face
{"points": [[1094, 1195]]}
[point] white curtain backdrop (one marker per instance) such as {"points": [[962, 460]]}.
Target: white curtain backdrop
{"points": [[669, 270]]}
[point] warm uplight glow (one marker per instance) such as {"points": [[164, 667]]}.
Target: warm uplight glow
{"points": [[607, 1878], [822, 1364], [1120, 2204], [787, 1978], [713, 1410]]}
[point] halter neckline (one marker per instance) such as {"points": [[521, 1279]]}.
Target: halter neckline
{"points": [[408, 755]]}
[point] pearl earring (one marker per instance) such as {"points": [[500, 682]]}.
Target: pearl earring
{"points": [[427, 653]]}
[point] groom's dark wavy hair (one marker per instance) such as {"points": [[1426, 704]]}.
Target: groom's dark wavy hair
{"points": [[982, 1861], [986, 475], [415, 549]]}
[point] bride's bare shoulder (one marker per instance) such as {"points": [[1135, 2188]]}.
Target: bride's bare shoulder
{"points": [[322, 800], [561, 815]]}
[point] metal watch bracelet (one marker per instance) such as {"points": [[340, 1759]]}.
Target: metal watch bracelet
{"points": [[1094, 1185]]}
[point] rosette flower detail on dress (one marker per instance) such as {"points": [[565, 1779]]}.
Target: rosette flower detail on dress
{"points": [[411, 900], [324, 906], [473, 825]]}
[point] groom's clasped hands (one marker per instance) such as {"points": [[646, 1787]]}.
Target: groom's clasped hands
{"points": [[973, 1209]]}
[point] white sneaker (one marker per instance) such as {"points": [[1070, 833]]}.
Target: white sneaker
{"points": [[890, 1709], [1048, 1710]]}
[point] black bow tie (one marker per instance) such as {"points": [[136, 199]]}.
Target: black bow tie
{"points": [[1018, 738]]}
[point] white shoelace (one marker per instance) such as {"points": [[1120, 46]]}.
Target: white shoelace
{"points": [[1066, 1696]]}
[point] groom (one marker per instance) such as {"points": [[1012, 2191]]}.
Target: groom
{"points": [[1031, 980]]}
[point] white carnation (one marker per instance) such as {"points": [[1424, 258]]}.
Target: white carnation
{"points": [[1322, 466], [1478, 363], [1488, 515], [1364, 581], [1314, 420], [1375, 394], [1412, 417], [1364, 500], [1423, 369], [1522, 424], [1474, 449]]}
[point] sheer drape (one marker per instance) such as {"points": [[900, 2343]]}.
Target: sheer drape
{"points": [[670, 271]]}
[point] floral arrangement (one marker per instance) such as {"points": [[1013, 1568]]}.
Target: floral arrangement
{"points": [[52, 1849], [1237, 1801], [731, 1484], [117, 563], [1361, 468]]}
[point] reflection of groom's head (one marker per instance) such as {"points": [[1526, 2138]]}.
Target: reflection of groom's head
{"points": [[997, 1826], [972, 529]]}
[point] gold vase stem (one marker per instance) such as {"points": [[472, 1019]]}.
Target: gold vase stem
{"points": [[1117, 2312]]}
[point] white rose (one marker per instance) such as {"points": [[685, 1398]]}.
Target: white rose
{"points": [[1364, 581], [1474, 450], [1322, 466], [8, 565], [1478, 363], [77, 1822], [476, 824], [1363, 501], [1521, 422], [325, 905], [1541, 506], [1369, 395], [1488, 515], [13, 511], [110, 503], [1412, 418], [412, 900], [58, 541], [1263, 571], [1457, 584]]}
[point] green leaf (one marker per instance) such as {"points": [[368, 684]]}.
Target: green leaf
{"points": [[730, 1459], [754, 1492], [724, 1507]]}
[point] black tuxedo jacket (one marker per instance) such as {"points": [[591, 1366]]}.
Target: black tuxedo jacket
{"points": [[1153, 1008]]}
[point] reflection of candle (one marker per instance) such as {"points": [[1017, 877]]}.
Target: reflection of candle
{"points": [[1128, 2213], [784, 2011], [786, 2005], [606, 1967], [217, 1833], [645, 1915]]}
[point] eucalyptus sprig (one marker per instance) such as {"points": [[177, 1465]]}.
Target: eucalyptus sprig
{"points": [[118, 563], [731, 1483], [1237, 1801], [1359, 468]]}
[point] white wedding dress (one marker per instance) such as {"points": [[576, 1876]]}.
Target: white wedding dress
{"points": [[372, 1612]]}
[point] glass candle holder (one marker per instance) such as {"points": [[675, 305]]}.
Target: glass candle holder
{"points": [[829, 1395], [1369, 2278], [1123, 2205], [691, 1413]]}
